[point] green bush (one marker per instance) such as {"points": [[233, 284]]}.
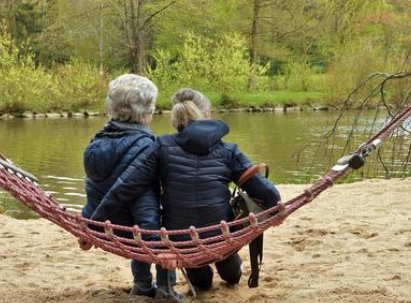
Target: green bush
{"points": [[297, 77], [25, 86], [352, 65], [81, 86], [205, 64]]}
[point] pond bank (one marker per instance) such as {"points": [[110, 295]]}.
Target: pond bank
{"points": [[352, 244], [267, 99], [86, 113]]}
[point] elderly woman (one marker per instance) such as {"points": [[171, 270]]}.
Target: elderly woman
{"points": [[195, 167], [131, 104]]}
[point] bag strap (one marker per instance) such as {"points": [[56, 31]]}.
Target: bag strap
{"points": [[255, 246], [256, 259], [249, 173]]}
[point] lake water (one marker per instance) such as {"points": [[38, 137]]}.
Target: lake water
{"points": [[291, 143]]}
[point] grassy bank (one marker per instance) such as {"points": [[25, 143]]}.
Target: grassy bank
{"points": [[96, 101], [252, 99]]}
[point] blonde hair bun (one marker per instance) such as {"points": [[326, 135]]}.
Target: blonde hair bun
{"points": [[189, 105]]}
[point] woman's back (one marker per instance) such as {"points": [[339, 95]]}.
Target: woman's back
{"points": [[105, 159], [195, 168]]}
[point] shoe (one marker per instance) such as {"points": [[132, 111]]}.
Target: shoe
{"points": [[162, 293], [235, 281], [139, 291]]}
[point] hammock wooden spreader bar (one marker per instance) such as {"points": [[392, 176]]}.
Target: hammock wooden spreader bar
{"points": [[196, 251]]}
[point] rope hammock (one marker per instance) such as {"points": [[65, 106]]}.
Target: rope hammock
{"points": [[192, 253]]}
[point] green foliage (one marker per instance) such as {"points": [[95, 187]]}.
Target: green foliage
{"points": [[81, 86], [274, 98], [204, 63], [240, 99], [165, 73], [49, 54], [353, 64], [228, 102], [297, 77], [25, 86], [35, 27]]}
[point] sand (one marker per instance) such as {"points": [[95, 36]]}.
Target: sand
{"points": [[353, 244]]}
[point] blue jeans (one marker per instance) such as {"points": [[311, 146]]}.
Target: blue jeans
{"points": [[143, 277], [229, 270]]}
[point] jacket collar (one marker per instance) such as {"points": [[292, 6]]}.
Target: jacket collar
{"points": [[129, 127], [116, 129], [202, 136]]}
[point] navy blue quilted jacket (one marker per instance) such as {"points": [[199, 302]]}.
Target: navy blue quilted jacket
{"points": [[195, 169], [107, 156]]}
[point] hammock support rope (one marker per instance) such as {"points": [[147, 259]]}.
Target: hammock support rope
{"points": [[196, 251]]}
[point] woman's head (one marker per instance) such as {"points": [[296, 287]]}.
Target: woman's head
{"points": [[132, 98], [189, 105]]}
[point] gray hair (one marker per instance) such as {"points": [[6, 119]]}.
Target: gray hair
{"points": [[131, 98]]}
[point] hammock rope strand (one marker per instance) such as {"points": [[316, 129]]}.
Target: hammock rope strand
{"points": [[192, 253]]}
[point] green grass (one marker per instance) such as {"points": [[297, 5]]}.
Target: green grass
{"points": [[246, 99], [275, 98]]}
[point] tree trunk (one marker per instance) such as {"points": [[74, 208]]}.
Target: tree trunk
{"points": [[140, 39], [137, 27], [137, 33], [253, 45], [101, 40]]}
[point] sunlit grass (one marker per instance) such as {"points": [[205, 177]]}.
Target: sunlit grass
{"points": [[246, 99]]}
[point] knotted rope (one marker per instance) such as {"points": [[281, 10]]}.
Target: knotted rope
{"points": [[192, 253]]}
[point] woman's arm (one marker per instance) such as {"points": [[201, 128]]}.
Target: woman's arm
{"points": [[134, 182], [257, 186]]}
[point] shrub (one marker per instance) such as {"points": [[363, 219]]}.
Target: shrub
{"points": [[297, 77], [23, 86], [81, 86], [206, 64], [352, 65]]}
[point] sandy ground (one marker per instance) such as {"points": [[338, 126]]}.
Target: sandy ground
{"points": [[353, 244]]}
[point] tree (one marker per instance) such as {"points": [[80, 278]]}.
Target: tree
{"points": [[274, 21], [136, 22], [34, 26], [255, 30]]}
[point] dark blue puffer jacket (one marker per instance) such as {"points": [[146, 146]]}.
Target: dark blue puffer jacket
{"points": [[107, 156], [195, 168]]}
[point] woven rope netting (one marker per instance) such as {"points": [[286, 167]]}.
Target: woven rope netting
{"points": [[197, 251]]}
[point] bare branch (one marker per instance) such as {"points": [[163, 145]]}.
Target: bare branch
{"points": [[148, 20]]}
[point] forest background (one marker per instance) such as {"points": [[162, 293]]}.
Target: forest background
{"points": [[58, 55]]}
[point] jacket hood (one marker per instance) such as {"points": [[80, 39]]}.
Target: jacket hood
{"points": [[202, 136], [110, 145], [119, 129]]}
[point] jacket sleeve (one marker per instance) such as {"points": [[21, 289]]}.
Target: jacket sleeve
{"points": [[257, 186], [137, 179]]}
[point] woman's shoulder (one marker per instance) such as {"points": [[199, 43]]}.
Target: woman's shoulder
{"points": [[229, 146], [166, 140]]}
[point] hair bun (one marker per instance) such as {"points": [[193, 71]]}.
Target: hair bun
{"points": [[185, 94]]}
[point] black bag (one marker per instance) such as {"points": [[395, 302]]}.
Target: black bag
{"points": [[242, 205]]}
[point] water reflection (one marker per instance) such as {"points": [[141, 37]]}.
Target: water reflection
{"points": [[289, 143]]}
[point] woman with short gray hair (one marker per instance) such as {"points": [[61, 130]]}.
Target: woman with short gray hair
{"points": [[131, 104], [131, 98]]}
